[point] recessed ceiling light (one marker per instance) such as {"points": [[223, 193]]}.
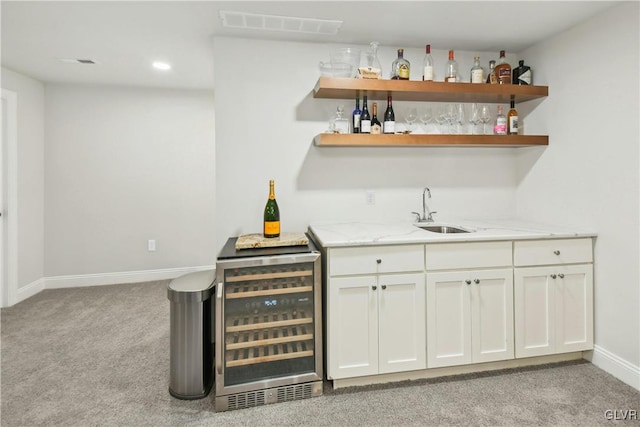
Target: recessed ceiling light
{"points": [[159, 65], [290, 24]]}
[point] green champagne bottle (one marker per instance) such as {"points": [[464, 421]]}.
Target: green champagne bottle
{"points": [[271, 215]]}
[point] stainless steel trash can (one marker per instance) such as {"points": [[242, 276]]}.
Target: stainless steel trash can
{"points": [[191, 334]]}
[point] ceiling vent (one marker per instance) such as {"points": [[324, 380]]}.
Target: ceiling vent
{"points": [[290, 24], [77, 61]]}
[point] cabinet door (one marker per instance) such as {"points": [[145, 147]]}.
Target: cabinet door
{"points": [[534, 311], [491, 315], [352, 323], [448, 319], [574, 308], [401, 323]]}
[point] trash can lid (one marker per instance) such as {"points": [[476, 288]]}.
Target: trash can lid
{"points": [[196, 286]]}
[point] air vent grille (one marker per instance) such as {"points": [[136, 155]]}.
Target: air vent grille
{"points": [[290, 24], [247, 400], [295, 392]]}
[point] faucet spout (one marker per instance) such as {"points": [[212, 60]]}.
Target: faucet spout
{"points": [[427, 215]]}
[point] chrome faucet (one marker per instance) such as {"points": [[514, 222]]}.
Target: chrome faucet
{"points": [[427, 215]]}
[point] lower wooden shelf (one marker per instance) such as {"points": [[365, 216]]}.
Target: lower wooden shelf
{"points": [[422, 140]]}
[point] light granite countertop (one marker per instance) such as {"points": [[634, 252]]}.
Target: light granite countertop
{"points": [[360, 233]]}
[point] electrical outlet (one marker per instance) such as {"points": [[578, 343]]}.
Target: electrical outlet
{"points": [[371, 197], [151, 245]]}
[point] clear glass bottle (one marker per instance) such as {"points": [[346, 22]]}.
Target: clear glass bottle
{"points": [[501, 122], [373, 67], [477, 72], [340, 123], [503, 70], [400, 68], [451, 70], [491, 77], [427, 65]]}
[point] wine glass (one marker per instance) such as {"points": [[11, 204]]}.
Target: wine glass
{"points": [[425, 117], [450, 116], [485, 116], [410, 118], [460, 117], [441, 119], [475, 117]]}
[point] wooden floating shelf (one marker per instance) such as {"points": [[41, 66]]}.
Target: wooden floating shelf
{"points": [[422, 140], [414, 90]]}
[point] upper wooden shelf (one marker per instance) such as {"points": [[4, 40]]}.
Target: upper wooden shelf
{"points": [[421, 140], [413, 90]]}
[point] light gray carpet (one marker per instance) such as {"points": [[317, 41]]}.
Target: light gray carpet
{"points": [[100, 356]]}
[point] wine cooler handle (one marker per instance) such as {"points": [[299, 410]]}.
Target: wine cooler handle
{"points": [[218, 359]]}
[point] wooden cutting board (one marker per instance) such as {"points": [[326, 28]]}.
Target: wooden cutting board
{"points": [[257, 240]]}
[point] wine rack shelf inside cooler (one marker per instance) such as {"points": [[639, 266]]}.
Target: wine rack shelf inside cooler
{"points": [[269, 283]]}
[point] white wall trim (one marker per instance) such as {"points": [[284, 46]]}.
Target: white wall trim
{"points": [[616, 366], [81, 280], [29, 290]]}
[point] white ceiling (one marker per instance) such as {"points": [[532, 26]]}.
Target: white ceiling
{"points": [[124, 37]]}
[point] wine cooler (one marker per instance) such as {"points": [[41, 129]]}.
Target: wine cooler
{"points": [[268, 343]]}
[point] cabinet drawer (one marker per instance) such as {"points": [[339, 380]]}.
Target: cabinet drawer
{"points": [[561, 251], [375, 259], [447, 256]]}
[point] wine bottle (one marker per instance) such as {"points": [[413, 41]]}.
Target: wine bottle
{"points": [[477, 73], [355, 117], [400, 68], [451, 71], [427, 65], [503, 70], [500, 127], [271, 215], [491, 77], [522, 74], [512, 119], [365, 121], [389, 118], [376, 127]]}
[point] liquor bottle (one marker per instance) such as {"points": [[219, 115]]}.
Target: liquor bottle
{"points": [[376, 127], [365, 122], [389, 118], [522, 74], [400, 67], [355, 117], [340, 123], [500, 127], [503, 70], [271, 215], [477, 73], [491, 77], [451, 71], [427, 65], [512, 119]]}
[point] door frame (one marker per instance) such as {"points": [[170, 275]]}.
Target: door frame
{"points": [[9, 208]]}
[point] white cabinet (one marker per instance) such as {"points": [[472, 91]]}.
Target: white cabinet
{"points": [[553, 304], [469, 317], [375, 322]]}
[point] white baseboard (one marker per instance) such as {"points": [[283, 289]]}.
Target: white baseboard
{"points": [[616, 366], [80, 280], [29, 290]]}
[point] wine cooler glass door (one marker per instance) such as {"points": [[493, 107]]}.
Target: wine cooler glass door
{"points": [[268, 322]]}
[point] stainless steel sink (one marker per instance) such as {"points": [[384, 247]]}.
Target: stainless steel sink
{"points": [[443, 228]]}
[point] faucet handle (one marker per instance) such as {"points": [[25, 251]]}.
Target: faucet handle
{"points": [[430, 219], [417, 215]]}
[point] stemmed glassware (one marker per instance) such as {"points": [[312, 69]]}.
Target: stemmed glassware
{"points": [[450, 116], [425, 117], [485, 116], [475, 118], [460, 117], [411, 117]]}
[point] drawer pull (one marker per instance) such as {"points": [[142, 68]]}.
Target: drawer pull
{"points": [[374, 287], [476, 281], [561, 276], [553, 276], [384, 287], [468, 282], [379, 261], [556, 252]]}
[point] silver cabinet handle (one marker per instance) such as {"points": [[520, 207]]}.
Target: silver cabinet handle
{"points": [[476, 281], [379, 261], [468, 282], [556, 252], [561, 276], [374, 287], [384, 287], [553, 276], [218, 360]]}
